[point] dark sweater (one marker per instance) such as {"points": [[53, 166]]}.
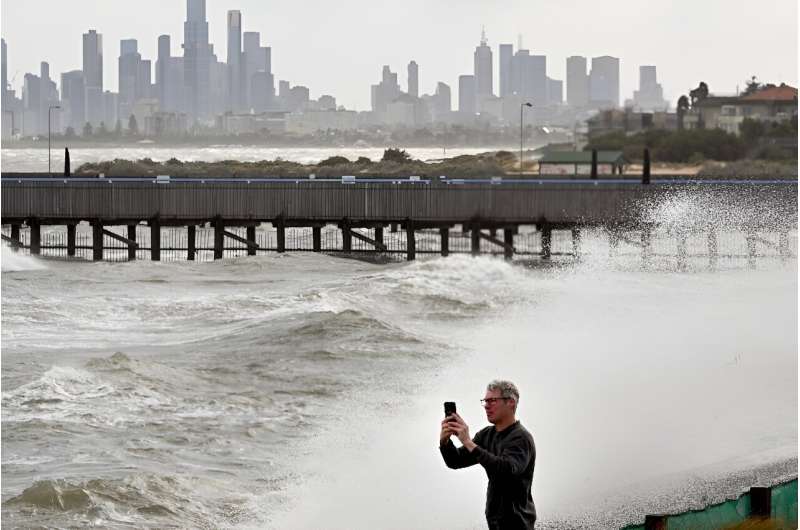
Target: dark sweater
{"points": [[508, 458]]}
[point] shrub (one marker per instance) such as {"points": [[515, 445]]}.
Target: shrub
{"points": [[395, 155], [334, 161]]}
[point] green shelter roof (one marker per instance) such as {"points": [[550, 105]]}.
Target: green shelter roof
{"points": [[582, 157]]}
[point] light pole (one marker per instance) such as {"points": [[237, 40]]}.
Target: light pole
{"points": [[521, 108], [49, 110]]}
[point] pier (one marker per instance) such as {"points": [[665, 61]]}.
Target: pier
{"points": [[410, 216]]}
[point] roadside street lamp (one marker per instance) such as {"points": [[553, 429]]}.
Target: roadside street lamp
{"points": [[521, 108], [49, 110]]}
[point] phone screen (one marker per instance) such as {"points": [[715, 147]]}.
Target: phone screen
{"points": [[449, 408]]}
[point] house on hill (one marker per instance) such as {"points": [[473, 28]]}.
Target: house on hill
{"points": [[580, 163], [771, 104]]}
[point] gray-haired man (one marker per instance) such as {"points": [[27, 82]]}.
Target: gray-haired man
{"points": [[505, 450]]}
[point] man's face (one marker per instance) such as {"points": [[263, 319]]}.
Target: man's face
{"points": [[497, 409]]}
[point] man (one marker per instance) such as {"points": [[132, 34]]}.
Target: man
{"points": [[505, 450]]}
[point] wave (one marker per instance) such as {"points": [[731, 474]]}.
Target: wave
{"points": [[141, 500], [13, 262]]}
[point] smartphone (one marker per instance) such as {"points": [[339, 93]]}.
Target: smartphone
{"points": [[449, 408]]}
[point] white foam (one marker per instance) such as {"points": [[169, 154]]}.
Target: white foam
{"points": [[12, 262]]}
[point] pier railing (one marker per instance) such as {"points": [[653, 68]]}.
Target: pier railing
{"points": [[424, 216]]}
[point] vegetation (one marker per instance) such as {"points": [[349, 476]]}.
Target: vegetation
{"points": [[395, 165], [758, 141], [674, 146]]}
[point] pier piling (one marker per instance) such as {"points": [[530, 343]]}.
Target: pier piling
{"points": [[508, 239], [36, 237], [97, 241], [547, 239], [444, 236], [155, 240], [191, 242], [281, 227], [411, 246], [316, 235], [15, 237], [251, 236], [219, 238], [71, 229], [132, 247], [476, 240]]}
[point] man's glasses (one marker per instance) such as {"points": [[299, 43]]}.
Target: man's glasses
{"points": [[491, 401]]}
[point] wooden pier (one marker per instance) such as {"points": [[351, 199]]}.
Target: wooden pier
{"points": [[483, 208]]}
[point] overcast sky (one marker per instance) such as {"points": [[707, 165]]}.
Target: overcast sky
{"points": [[338, 48]]}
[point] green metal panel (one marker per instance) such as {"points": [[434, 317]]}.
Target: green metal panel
{"points": [[716, 516], [729, 513], [784, 504]]}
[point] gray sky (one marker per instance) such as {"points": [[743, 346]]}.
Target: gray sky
{"points": [[338, 48]]}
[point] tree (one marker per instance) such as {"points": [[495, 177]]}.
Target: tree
{"points": [[682, 109], [118, 129], [87, 130], [133, 127], [69, 133], [395, 155], [699, 94], [751, 86], [101, 130]]}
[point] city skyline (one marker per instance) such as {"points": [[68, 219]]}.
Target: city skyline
{"points": [[311, 59]]}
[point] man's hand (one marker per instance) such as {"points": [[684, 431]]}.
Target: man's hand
{"points": [[460, 428], [446, 433]]}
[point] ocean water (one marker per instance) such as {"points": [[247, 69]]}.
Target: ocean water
{"points": [[305, 391], [35, 160]]}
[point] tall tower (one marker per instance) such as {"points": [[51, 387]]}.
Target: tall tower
{"points": [[483, 69], [197, 59], [413, 79], [162, 69], [93, 59], [93, 77], [506, 55], [235, 72]]}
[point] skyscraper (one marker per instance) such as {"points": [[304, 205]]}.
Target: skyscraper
{"points": [[604, 82], [73, 100], [577, 82], [506, 55], [650, 95], [197, 59], [93, 59], [162, 65], [129, 72], [4, 88], [413, 79], [235, 72], [466, 94], [483, 69], [538, 80]]}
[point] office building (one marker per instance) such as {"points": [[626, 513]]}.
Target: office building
{"points": [[482, 62], [650, 95], [577, 82], [506, 56], [604, 82], [467, 103], [413, 79], [235, 71], [197, 60], [73, 101]]}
